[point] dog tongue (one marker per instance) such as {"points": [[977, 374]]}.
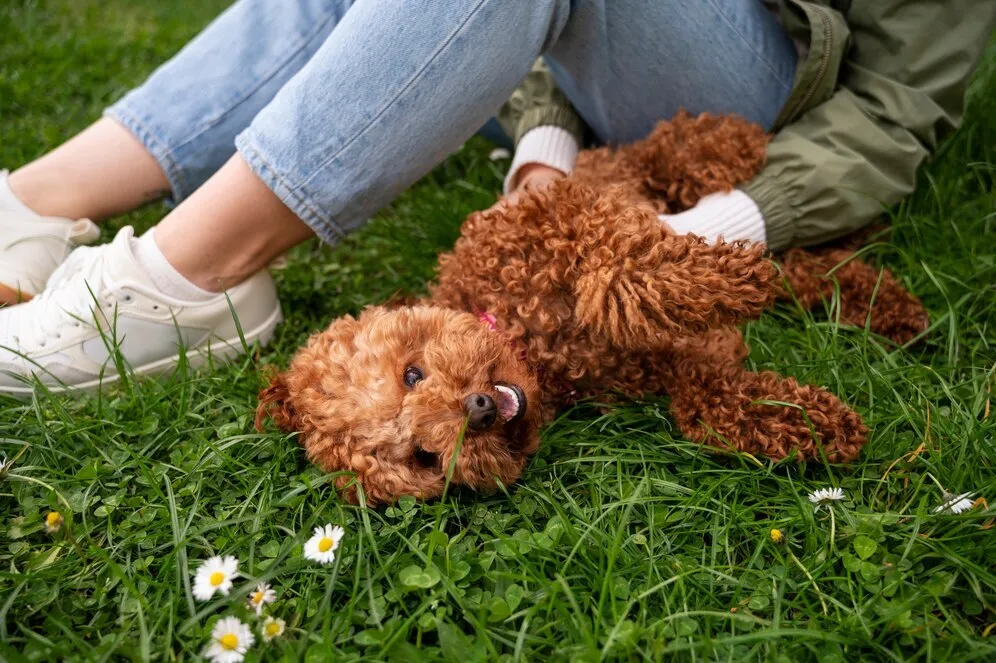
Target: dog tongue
{"points": [[508, 403]]}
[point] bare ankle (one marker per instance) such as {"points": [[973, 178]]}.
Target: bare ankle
{"points": [[99, 173], [30, 190], [229, 229]]}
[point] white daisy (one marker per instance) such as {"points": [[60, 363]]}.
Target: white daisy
{"points": [[260, 597], [955, 503], [272, 628], [230, 640], [53, 522], [322, 546], [825, 496], [215, 575]]}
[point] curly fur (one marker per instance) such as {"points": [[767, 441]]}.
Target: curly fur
{"points": [[680, 162], [344, 392], [590, 295], [868, 295]]}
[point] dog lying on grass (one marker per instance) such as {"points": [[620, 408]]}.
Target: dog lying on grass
{"points": [[578, 290]]}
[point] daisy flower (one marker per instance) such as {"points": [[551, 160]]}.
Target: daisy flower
{"points": [[261, 597], [955, 503], [322, 546], [272, 628], [825, 496], [230, 640], [53, 522], [776, 536], [215, 575]]}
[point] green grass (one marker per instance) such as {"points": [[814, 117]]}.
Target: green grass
{"points": [[622, 541]]}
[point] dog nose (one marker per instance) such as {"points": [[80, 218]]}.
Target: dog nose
{"points": [[482, 411]]}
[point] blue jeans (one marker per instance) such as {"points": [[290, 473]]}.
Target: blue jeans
{"points": [[338, 107]]}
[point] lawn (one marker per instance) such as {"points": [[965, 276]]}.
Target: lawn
{"points": [[622, 540]]}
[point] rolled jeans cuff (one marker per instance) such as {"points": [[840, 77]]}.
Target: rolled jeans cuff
{"points": [[154, 144]]}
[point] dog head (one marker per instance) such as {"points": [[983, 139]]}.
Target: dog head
{"points": [[400, 398]]}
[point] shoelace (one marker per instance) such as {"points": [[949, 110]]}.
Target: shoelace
{"points": [[67, 293]]}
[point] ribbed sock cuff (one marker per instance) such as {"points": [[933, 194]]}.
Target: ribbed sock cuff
{"points": [[162, 274], [732, 216], [547, 145]]}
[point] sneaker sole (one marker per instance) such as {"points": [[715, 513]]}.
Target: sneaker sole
{"points": [[228, 350]]}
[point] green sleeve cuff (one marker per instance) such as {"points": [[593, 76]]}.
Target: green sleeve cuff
{"points": [[557, 115], [779, 222], [537, 102]]}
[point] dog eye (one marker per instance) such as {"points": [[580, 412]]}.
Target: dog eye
{"points": [[413, 376]]}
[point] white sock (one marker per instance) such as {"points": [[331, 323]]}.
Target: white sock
{"points": [[11, 203], [731, 216], [162, 274], [547, 145]]}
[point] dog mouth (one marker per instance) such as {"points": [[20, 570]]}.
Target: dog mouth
{"points": [[427, 460], [511, 402]]}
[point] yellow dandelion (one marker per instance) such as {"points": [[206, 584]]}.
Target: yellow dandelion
{"points": [[776, 535]]}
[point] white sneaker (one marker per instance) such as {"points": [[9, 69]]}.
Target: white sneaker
{"points": [[100, 299], [32, 247]]}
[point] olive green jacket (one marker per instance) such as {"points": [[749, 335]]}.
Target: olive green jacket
{"points": [[882, 84]]}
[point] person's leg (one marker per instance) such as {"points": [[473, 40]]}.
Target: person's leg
{"points": [[229, 229], [627, 64], [169, 135], [165, 137], [392, 91], [396, 88], [100, 172], [374, 110]]}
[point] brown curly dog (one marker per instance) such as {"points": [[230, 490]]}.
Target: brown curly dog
{"points": [[577, 290]]}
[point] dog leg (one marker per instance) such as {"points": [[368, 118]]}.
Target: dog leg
{"points": [[718, 402], [896, 313]]}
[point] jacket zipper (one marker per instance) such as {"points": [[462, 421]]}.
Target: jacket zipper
{"points": [[824, 62]]}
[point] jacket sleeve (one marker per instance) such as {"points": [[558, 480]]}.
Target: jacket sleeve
{"points": [[538, 102], [544, 126], [901, 91]]}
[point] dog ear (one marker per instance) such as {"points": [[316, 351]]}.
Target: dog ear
{"points": [[381, 483], [275, 403]]}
